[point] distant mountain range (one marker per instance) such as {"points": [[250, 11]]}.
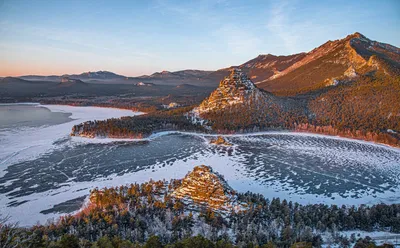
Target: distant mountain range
{"points": [[99, 75], [194, 77], [285, 75], [106, 75]]}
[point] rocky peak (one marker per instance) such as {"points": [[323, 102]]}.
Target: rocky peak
{"points": [[203, 186], [237, 80], [234, 89], [356, 35], [367, 48]]}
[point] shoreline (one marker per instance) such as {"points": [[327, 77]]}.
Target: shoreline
{"points": [[90, 106], [69, 105], [202, 135], [20, 103], [213, 134], [32, 142]]}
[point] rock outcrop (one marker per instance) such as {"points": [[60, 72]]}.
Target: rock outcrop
{"points": [[232, 90], [238, 105], [206, 188], [199, 190], [220, 141]]}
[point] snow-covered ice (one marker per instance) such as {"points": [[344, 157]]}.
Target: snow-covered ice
{"points": [[48, 167]]}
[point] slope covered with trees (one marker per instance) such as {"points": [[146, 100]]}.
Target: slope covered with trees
{"points": [[368, 107], [348, 87], [135, 213]]}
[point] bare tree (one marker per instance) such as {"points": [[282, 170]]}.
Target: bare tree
{"points": [[11, 235]]}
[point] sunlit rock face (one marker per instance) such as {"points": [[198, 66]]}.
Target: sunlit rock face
{"points": [[204, 187], [234, 89]]}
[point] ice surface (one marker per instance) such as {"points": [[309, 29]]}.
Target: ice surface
{"points": [[45, 167], [28, 143]]}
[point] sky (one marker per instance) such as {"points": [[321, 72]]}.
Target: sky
{"points": [[54, 37]]}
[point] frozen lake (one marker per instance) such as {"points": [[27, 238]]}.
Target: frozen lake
{"points": [[45, 173]]}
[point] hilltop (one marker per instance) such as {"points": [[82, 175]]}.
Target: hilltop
{"points": [[235, 89], [338, 60], [200, 189], [238, 105]]}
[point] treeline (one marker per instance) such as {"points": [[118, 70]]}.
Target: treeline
{"points": [[138, 126], [134, 213], [71, 241]]}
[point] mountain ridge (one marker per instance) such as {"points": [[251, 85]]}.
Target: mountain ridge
{"points": [[343, 107], [334, 60], [339, 60]]}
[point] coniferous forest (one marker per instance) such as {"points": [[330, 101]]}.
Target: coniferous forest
{"points": [[143, 215]]}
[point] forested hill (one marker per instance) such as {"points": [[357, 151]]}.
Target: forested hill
{"points": [[237, 105], [201, 210], [365, 107]]}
